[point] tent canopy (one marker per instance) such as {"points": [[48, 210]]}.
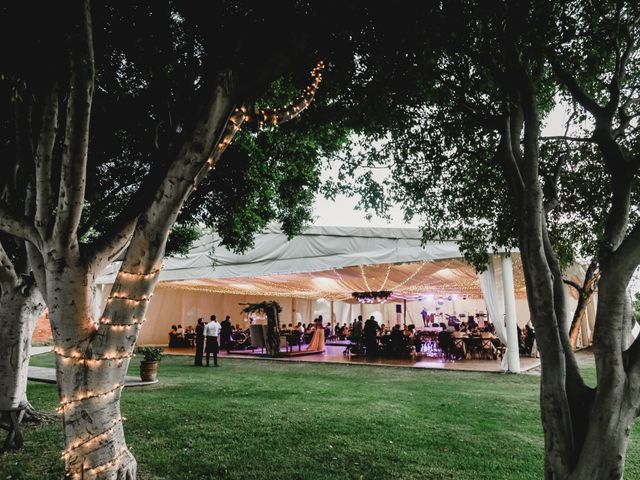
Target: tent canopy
{"points": [[330, 263]]}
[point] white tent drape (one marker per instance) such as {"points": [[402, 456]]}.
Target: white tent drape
{"points": [[489, 287]]}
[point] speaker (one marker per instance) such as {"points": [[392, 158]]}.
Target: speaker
{"points": [[398, 308]]}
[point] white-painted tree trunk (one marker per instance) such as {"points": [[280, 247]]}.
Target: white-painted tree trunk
{"points": [[19, 310], [92, 357]]}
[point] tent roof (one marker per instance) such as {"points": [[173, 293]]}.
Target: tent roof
{"points": [[326, 262]]}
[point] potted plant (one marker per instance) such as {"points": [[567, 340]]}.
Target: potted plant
{"points": [[149, 364]]}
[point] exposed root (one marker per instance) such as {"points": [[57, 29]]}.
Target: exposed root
{"points": [[34, 417]]}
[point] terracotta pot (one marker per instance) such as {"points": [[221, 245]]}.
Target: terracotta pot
{"points": [[148, 370]]}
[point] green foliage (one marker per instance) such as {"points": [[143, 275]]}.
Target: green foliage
{"points": [[181, 238], [156, 66], [150, 354], [262, 306]]}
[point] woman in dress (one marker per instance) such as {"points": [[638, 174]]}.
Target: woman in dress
{"points": [[317, 341]]}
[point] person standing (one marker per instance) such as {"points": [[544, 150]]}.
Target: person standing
{"points": [[211, 333], [356, 332], [370, 336], [317, 342], [199, 342], [225, 334]]}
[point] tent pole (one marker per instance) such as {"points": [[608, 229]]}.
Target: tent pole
{"points": [[405, 312], [333, 322], [293, 312], [513, 345]]}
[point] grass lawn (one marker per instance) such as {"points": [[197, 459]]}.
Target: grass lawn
{"points": [[255, 419]]}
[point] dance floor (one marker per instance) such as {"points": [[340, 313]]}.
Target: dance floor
{"points": [[334, 354]]}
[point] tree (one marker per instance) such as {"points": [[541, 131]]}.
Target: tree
{"points": [[468, 155], [20, 301], [20, 306], [70, 242]]}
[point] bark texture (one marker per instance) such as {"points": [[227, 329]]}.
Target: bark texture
{"points": [[20, 308]]}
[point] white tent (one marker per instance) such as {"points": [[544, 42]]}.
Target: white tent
{"points": [[316, 272]]}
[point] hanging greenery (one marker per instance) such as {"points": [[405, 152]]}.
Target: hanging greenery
{"points": [[380, 296]]}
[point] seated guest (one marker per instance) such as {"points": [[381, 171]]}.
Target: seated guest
{"points": [[414, 338], [173, 336], [190, 335], [180, 331], [395, 347]]}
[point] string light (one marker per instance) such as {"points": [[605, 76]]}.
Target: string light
{"points": [[88, 442], [364, 278], [129, 299], [386, 277], [139, 275], [410, 277], [277, 116], [106, 465], [419, 277], [88, 396]]}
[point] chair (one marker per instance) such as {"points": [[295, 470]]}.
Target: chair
{"points": [[459, 348], [295, 339], [488, 349], [474, 347]]}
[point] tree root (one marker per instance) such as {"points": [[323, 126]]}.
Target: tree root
{"points": [[34, 417]]}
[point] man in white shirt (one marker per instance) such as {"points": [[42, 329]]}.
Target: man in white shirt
{"points": [[211, 333]]}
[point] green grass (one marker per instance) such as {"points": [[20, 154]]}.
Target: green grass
{"points": [[254, 419]]}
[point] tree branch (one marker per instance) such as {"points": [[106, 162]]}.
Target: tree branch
{"points": [[576, 91], [575, 285], [44, 160], [8, 276], [112, 244], [570, 139], [626, 258], [36, 263], [18, 226], [76, 142], [277, 116]]}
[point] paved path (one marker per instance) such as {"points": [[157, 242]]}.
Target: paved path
{"points": [[48, 375], [39, 350]]}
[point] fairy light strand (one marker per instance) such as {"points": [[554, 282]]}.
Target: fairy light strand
{"points": [[96, 438], [386, 277], [89, 396], [106, 465], [364, 278]]}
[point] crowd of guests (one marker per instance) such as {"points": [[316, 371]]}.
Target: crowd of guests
{"points": [[366, 337]]}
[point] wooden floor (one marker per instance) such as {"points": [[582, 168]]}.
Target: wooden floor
{"points": [[334, 354]]}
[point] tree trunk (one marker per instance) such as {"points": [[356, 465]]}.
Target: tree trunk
{"points": [[584, 298], [273, 333], [19, 311], [602, 456], [92, 358]]}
